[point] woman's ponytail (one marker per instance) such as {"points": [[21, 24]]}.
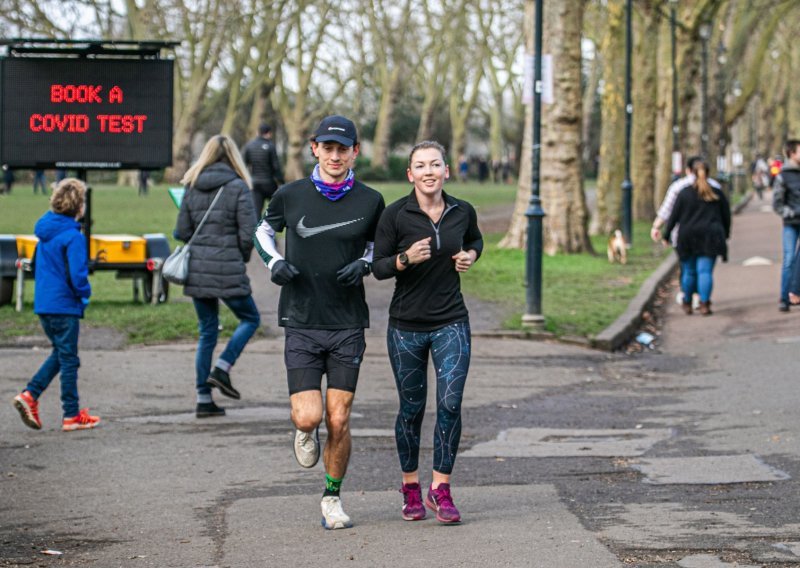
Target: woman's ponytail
{"points": [[704, 190]]}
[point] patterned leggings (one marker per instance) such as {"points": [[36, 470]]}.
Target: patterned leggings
{"points": [[408, 353]]}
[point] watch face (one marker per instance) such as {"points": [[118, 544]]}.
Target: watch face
{"points": [[403, 258]]}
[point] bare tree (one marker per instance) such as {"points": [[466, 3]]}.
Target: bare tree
{"points": [[566, 224], [307, 84], [645, 101], [610, 174], [389, 37], [465, 71]]}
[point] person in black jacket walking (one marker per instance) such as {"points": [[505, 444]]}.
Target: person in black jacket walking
{"points": [[260, 156], [217, 267], [786, 203], [705, 225], [425, 241]]}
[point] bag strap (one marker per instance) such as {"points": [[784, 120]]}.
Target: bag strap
{"points": [[203, 220]]}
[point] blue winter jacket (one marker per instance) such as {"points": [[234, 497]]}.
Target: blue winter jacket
{"points": [[62, 269]]}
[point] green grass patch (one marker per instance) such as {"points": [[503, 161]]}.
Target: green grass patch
{"points": [[582, 294]]}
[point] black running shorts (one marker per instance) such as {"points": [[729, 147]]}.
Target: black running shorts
{"points": [[310, 353]]}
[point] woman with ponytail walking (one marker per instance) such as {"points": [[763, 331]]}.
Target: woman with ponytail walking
{"points": [[704, 216]]}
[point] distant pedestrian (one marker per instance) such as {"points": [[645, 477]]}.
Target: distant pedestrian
{"points": [[329, 219], [61, 294], [705, 224], [261, 157], [483, 169], [786, 203], [775, 166], [144, 180], [61, 173], [667, 204], [426, 241], [759, 175], [39, 182], [463, 168], [218, 265], [8, 180]]}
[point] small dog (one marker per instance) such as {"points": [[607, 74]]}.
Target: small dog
{"points": [[617, 248]]}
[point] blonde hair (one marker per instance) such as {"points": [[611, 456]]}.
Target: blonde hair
{"points": [[219, 148], [704, 190], [68, 197]]}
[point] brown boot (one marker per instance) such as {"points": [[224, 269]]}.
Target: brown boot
{"points": [[705, 308], [687, 308]]}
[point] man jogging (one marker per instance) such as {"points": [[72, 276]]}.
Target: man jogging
{"points": [[330, 221], [261, 158]]}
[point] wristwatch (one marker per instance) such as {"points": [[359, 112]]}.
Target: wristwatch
{"points": [[403, 258]]}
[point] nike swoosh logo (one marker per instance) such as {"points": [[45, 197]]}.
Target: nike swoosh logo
{"points": [[306, 232]]}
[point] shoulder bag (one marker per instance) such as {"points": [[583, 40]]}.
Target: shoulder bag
{"points": [[176, 266]]}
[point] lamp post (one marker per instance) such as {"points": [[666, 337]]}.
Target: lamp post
{"points": [[627, 185], [533, 317], [705, 34], [677, 165]]}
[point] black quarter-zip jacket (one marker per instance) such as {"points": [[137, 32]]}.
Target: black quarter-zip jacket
{"points": [[427, 296]]}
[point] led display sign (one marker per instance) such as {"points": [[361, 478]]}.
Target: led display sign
{"points": [[85, 113]]}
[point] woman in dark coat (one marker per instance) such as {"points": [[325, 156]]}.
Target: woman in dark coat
{"points": [[704, 217], [217, 267]]}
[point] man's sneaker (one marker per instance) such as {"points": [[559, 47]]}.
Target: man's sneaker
{"points": [[208, 410], [222, 380], [28, 410], [83, 421], [783, 306], [333, 517], [306, 447], [440, 501], [413, 509]]}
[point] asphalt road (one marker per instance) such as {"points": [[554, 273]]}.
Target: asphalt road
{"points": [[684, 455]]}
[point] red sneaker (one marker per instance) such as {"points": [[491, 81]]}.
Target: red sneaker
{"points": [[83, 421], [28, 410]]}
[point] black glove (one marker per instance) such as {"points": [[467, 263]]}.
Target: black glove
{"points": [[352, 274], [283, 273]]}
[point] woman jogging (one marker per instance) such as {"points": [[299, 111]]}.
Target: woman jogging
{"points": [[425, 240], [217, 268]]}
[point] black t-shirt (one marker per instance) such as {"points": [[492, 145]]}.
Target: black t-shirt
{"points": [[322, 236]]}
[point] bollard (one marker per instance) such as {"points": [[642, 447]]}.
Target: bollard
{"points": [[154, 265], [23, 265]]}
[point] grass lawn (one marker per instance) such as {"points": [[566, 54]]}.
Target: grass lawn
{"points": [[582, 294]]}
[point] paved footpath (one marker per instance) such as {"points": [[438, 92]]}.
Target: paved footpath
{"points": [[686, 455]]}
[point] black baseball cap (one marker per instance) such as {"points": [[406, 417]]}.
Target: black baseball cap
{"points": [[336, 128]]}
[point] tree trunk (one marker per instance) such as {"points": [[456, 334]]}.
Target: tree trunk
{"points": [[612, 144], [589, 153], [383, 127], [516, 236], [663, 111], [645, 96], [563, 199]]}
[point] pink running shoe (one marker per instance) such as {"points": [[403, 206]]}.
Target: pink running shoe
{"points": [[440, 501], [28, 410], [413, 509]]}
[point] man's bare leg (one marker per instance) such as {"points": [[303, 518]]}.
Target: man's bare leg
{"points": [[338, 404]]}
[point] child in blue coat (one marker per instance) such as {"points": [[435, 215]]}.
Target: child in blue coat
{"points": [[61, 295]]}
